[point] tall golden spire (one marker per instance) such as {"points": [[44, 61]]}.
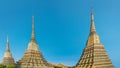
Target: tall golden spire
{"points": [[8, 59], [92, 28], [7, 45], [94, 54], [33, 32], [33, 57]]}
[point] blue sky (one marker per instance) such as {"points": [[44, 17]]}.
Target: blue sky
{"points": [[61, 27]]}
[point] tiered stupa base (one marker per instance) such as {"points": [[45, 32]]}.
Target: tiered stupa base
{"points": [[94, 57], [33, 59], [8, 60]]}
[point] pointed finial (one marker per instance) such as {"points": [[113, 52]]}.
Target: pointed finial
{"points": [[33, 33], [92, 13], [92, 28], [7, 45], [7, 39]]}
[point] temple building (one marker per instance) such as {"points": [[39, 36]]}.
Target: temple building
{"points": [[8, 59], [60, 65], [94, 54], [33, 58]]}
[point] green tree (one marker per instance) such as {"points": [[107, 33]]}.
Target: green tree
{"points": [[2, 66], [10, 66], [57, 67]]}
